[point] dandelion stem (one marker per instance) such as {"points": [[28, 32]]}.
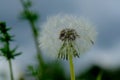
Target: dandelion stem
{"points": [[11, 71], [72, 72], [99, 77]]}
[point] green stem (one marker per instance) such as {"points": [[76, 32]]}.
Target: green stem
{"points": [[35, 35], [34, 32], [99, 77], [72, 72], [11, 71]]}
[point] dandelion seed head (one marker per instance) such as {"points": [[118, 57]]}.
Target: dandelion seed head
{"points": [[68, 34], [72, 31]]}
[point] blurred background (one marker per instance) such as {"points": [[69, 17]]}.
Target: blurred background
{"points": [[105, 54]]}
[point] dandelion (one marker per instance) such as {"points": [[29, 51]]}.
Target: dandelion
{"points": [[66, 37]]}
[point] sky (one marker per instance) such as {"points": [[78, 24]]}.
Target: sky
{"points": [[105, 14]]}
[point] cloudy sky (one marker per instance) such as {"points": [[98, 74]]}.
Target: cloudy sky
{"points": [[105, 14]]}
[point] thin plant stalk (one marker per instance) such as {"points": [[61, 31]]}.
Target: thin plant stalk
{"points": [[11, 71], [35, 36], [72, 72], [9, 61], [10, 64]]}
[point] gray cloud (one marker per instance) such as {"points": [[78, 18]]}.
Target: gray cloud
{"points": [[106, 15]]}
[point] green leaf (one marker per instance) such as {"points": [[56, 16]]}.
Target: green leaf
{"points": [[3, 52], [17, 54], [14, 50]]}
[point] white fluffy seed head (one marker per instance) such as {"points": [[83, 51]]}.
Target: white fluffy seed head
{"points": [[49, 40]]}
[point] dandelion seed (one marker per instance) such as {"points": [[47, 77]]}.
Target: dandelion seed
{"points": [[61, 33]]}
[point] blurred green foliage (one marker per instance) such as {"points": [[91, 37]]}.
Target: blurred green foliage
{"points": [[28, 14], [94, 72], [5, 39], [52, 71], [5, 50], [43, 70]]}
